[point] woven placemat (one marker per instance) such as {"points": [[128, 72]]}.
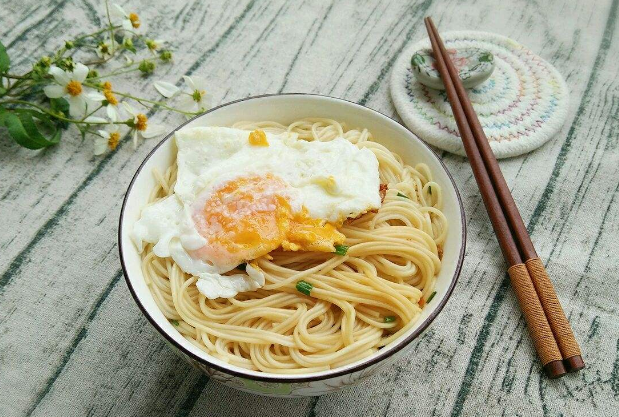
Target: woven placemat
{"points": [[521, 106]]}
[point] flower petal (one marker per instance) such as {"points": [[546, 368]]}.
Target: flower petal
{"points": [[100, 144], [112, 113], [190, 83], [129, 108], [59, 75], [95, 119], [153, 130], [77, 106], [135, 139], [206, 102], [186, 103], [128, 27], [80, 72], [104, 133], [199, 83], [54, 91], [118, 11], [166, 89], [95, 96]]}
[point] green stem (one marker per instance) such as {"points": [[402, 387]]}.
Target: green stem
{"points": [[153, 102], [115, 72], [93, 112], [79, 38], [141, 100], [111, 27], [17, 77], [57, 116]]}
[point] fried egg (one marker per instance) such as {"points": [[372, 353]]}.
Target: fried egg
{"points": [[240, 195]]}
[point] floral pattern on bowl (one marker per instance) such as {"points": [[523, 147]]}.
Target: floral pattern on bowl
{"points": [[474, 66]]}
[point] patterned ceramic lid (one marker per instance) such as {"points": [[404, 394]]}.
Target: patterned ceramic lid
{"points": [[520, 106], [474, 66]]}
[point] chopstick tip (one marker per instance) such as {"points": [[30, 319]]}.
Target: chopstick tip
{"points": [[574, 363], [555, 369]]}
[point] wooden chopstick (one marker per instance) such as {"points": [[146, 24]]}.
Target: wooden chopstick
{"points": [[559, 325], [537, 323]]}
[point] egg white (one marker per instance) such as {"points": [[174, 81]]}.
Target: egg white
{"points": [[333, 180]]}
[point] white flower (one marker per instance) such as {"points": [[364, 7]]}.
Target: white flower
{"points": [[154, 45], [166, 89], [196, 100], [103, 50], [68, 84], [108, 139], [129, 21], [141, 126]]}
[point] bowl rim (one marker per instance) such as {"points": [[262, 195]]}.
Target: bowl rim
{"points": [[336, 372]]}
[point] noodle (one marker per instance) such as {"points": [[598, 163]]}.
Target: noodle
{"points": [[359, 302]]}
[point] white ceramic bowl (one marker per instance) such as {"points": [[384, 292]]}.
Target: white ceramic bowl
{"points": [[285, 108]]}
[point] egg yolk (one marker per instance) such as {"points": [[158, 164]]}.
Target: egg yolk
{"points": [[258, 138], [251, 216]]}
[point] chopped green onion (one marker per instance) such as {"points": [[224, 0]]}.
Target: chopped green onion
{"points": [[174, 322], [241, 267], [341, 250], [304, 287], [389, 319], [431, 297], [402, 195]]}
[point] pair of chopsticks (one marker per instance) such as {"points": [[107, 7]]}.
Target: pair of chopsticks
{"points": [[551, 332]]}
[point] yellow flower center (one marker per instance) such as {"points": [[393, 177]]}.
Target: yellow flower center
{"points": [[112, 142], [107, 85], [74, 88], [110, 97], [135, 20], [104, 48], [141, 121]]}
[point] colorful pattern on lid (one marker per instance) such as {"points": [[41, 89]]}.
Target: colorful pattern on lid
{"points": [[521, 106]]}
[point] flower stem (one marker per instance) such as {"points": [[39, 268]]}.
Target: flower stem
{"points": [[155, 103], [111, 27], [57, 116]]}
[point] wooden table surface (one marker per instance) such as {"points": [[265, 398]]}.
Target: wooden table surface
{"points": [[72, 341]]}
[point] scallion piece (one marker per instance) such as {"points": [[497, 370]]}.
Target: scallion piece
{"points": [[402, 195], [341, 250], [431, 297], [174, 323], [304, 287], [389, 319]]}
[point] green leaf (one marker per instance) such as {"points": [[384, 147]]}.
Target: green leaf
{"points": [[174, 322], [5, 62], [60, 106], [341, 250], [304, 287], [389, 319], [26, 132], [2, 91]]}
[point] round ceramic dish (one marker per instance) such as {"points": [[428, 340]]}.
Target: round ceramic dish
{"points": [[285, 108]]}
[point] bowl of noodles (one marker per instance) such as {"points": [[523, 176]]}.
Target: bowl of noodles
{"points": [[291, 244]]}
